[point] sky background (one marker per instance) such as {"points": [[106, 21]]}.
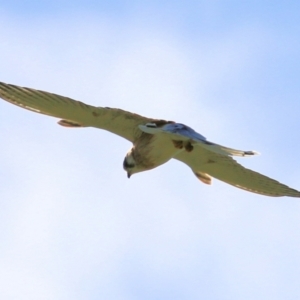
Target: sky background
{"points": [[72, 226]]}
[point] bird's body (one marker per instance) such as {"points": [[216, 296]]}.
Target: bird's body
{"points": [[154, 141], [150, 151]]}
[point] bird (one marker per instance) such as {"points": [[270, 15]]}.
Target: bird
{"points": [[154, 141]]}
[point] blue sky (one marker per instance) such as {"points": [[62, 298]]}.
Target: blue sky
{"points": [[73, 226]]}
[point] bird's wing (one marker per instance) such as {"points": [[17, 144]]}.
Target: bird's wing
{"points": [[205, 163], [208, 159], [75, 113]]}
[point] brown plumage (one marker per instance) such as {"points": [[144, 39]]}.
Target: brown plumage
{"points": [[155, 141]]}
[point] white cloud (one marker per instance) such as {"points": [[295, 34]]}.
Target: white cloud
{"points": [[71, 223]]}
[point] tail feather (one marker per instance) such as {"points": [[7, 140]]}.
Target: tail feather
{"points": [[226, 151]]}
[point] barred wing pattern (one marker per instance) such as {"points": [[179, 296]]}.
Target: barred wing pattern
{"points": [[226, 169], [75, 113], [205, 159]]}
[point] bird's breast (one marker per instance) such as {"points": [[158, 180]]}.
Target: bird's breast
{"points": [[153, 150]]}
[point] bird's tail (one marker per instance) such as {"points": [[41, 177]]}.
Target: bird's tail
{"points": [[226, 151]]}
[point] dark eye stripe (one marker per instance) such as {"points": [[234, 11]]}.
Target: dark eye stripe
{"points": [[126, 165]]}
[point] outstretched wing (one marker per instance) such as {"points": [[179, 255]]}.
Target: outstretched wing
{"points": [[75, 113], [204, 163]]}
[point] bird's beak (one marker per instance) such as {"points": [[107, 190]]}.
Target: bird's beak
{"points": [[128, 175]]}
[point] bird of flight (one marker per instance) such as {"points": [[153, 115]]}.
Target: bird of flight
{"points": [[154, 141]]}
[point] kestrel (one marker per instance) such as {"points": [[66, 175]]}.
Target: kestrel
{"points": [[154, 141]]}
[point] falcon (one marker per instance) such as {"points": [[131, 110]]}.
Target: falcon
{"points": [[154, 141]]}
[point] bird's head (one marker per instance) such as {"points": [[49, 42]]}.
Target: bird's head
{"points": [[130, 165]]}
